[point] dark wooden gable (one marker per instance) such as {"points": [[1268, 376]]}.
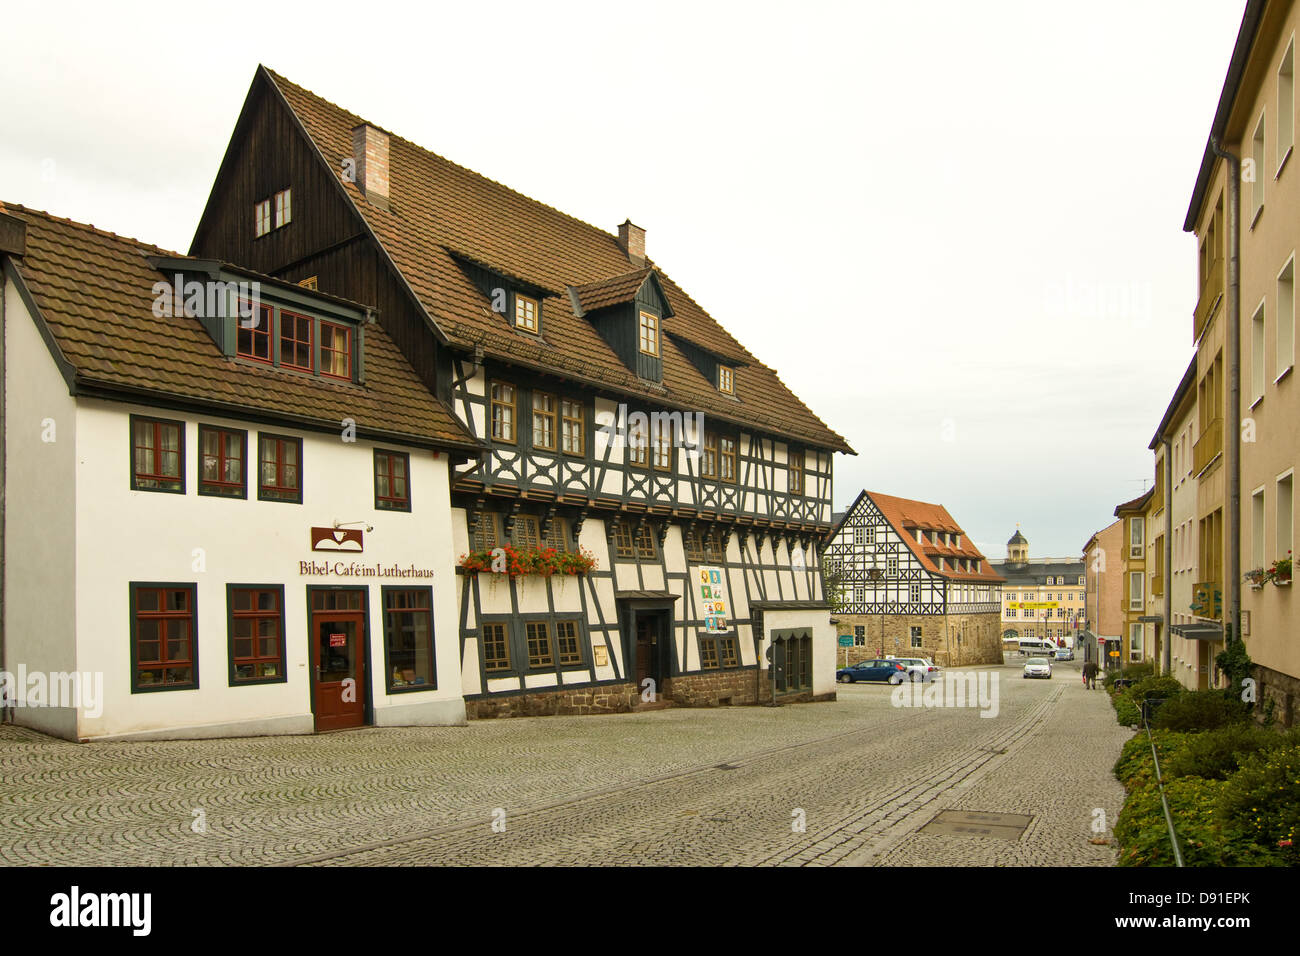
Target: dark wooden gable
{"points": [[327, 239]]}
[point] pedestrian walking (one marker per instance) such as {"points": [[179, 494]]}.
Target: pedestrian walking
{"points": [[1090, 675]]}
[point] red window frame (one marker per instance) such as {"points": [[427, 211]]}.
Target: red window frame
{"points": [[326, 364], [261, 332], [163, 660], [384, 477], [256, 615], [145, 480], [287, 341], [221, 486], [278, 491]]}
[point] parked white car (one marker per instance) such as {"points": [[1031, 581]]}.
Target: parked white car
{"points": [[919, 668], [1038, 667]]}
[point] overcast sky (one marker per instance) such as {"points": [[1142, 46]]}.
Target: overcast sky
{"points": [[955, 229]]}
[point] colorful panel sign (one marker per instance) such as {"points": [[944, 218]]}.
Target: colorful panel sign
{"points": [[713, 599], [1030, 605]]}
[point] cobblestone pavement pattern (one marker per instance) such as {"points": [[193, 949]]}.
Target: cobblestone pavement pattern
{"points": [[708, 787]]}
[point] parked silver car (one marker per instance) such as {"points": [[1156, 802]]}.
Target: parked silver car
{"points": [[919, 668]]}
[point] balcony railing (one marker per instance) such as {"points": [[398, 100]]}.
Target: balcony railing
{"points": [[1158, 499], [1208, 447], [1210, 295], [1207, 599], [1157, 585]]}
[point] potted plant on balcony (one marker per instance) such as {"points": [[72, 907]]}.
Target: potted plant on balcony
{"points": [[1255, 577], [1280, 571]]}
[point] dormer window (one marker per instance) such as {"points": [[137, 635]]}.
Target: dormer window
{"points": [[649, 334], [283, 210], [253, 340], [726, 381], [295, 341], [527, 313], [335, 350]]}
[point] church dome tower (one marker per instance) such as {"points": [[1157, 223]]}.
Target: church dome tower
{"points": [[1018, 548]]}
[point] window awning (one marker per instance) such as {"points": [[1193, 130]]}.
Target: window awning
{"points": [[1199, 632]]}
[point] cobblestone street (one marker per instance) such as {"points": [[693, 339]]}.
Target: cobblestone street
{"points": [[710, 787]]}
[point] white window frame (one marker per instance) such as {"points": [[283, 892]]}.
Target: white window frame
{"points": [[1257, 155], [914, 593], [1284, 514], [1258, 355], [1137, 541], [891, 566], [1285, 106], [1258, 517], [262, 217], [1136, 590], [1284, 342], [283, 208]]}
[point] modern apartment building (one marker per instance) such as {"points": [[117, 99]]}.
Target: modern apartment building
{"points": [[1254, 128]]}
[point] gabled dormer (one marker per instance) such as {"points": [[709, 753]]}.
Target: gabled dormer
{"points": [[719, 370], [517, 301], [261, 320], [628, 311]]}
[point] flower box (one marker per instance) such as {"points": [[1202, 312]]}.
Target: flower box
{"points": [[514, 562]]}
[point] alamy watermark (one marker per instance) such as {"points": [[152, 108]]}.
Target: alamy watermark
{"points": [[652, 431], [210, 298], [967, 689], [84, 691]]}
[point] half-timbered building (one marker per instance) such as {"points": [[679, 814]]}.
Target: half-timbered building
{"points": [[619, 421], [911, 583]]}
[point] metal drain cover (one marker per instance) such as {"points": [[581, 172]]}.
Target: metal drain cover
{"points": [[979, 823]]}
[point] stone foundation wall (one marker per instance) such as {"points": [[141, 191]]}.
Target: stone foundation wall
{"points": [[1283, 690], [603, 699], [717, 689], [708, 689], [969, 638]]}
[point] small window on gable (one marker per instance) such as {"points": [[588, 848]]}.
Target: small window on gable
{"points": [[726, 380], [283, 212], [309, 282], [527, 313], [648, 337], [262, 217]]}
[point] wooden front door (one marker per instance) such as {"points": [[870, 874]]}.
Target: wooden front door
{"points": [[338, 669], [646, 649]]}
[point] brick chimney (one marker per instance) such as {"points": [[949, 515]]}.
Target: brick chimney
{"points": [[370, 153], [631, 239]]}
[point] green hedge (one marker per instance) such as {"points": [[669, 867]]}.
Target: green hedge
{"points": [[1135, 767], [1201, 710]]}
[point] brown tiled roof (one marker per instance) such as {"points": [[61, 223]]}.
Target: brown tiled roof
{"points": [[1137, 503], [607, 292], [437, 207], [906, 515], [94, 290]]}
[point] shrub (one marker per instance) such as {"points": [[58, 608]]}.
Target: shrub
{"points": [[1200, 710], [1217, 754], [1260, 804], [1127, 711], [1133, 672], [1135, 768], [1195, 805]]}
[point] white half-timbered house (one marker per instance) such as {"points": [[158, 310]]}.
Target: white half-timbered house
{"points": [[911, 583], [619, 421]]}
